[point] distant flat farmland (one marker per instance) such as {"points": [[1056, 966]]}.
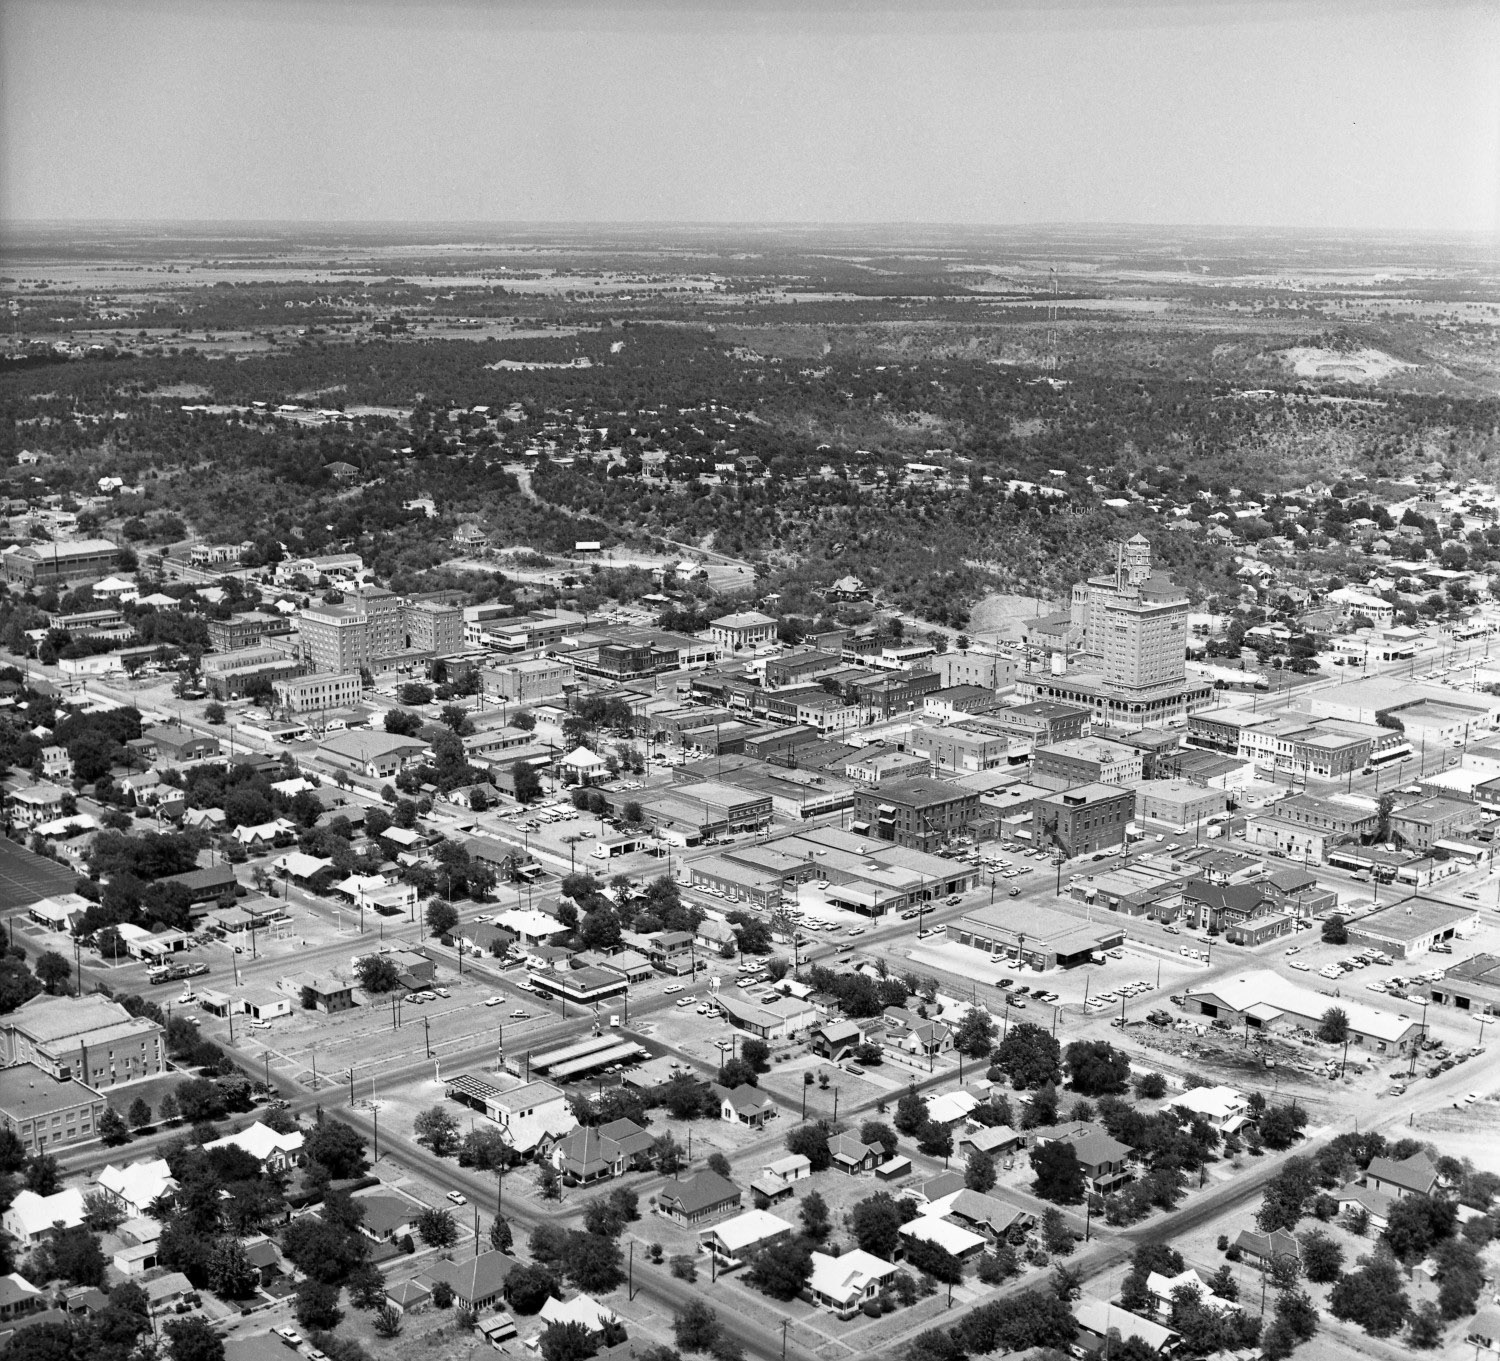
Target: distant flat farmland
{"points": [[24, 877]]}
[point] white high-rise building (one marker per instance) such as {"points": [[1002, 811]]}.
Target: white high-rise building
{"points": [[1134, 621]]}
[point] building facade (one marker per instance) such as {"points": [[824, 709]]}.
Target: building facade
{"points": [[1081, 821], [921, 814], [433, 627], [310, 694]]}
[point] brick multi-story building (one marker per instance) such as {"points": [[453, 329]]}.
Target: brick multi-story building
{"points": [[1424, 823], [228, 675], [1085, 760], [321, 690], [1083, 820], [433, 627], [90, 1039], [897, 694], [920, 814], [43, 1112], [1044, 721], [985, 669], [335, 637], [525, 682], [244, 630], [959, 748]]}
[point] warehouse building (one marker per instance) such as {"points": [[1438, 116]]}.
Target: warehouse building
{"points": [[38, 565], [1035, 937], [1409, 929], [1263, 1000]]}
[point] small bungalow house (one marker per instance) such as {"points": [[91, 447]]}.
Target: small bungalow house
{"points": [[1262, 1249], [744, 1105], [851, 1156], [586, 1156], [1375, 1204], [702, 1196], [735, 1239], [386, 1217], [835, 1040], [1413, 1176], [844, 1283], [633, 1142], [476, 1283], [274, 1152], [409, 1297]]}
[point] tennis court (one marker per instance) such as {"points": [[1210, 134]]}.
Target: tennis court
{"points": [[24, 877]]}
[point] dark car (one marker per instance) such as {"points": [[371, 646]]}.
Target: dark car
{"points": [[1005, 982]]}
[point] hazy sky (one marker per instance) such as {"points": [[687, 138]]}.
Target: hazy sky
{"points": [[1355, 114]]}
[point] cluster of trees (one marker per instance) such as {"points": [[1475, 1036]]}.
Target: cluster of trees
{"points": [[590, 1257], [130, 867], [245, 794], [94, 741], [859, 995], [596, 918], [118, 1331], [1017, 1323]]}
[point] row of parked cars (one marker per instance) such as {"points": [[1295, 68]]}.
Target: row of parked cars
{"points": [[1017, 993]]}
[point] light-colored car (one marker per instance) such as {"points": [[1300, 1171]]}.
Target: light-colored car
{"points": [[672, 989], [494, 1001], [684, 1001], [458, 1197], [519, 1015]]}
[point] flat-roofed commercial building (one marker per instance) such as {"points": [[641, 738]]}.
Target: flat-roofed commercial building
{"points": [[1085, 760], [991, 671], [1370, 698], [1043, 721], [54, 564], [244, 630], [920, 813], [796, 794], [1471, 985], [870, 877], [1443, 722], [1177, 804], [1428, 821], [1223, 729], [1039, 937], [377, 755], [747, 629], [322, 690], [1089, 818], [43, 1112], [1306, 827], [1325, 749], [228, 674], [1406, 930], [806, 664], [526, 682], [88, 1038], [954, 701], [739, 883], [961, 747], [883, 696], [687, 814]]}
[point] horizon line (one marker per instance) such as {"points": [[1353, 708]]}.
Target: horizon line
{"points": [[710, 224]]}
